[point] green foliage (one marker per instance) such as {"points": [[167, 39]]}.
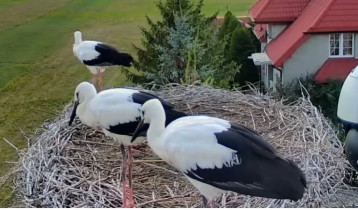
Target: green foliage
{"points": [[229, 25], [183, 48], [155, 35], [241, 47], [240, 43], [325, 96]]}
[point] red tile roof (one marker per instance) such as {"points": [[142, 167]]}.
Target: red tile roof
{"points": [[340, 15], [318, 16], [282, 47], [335, 68], [257, 9], [269, 11], [260, 32]]}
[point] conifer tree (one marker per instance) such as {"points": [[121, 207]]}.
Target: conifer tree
{"points": [[157, 31], [240, 43], [183, 47]]}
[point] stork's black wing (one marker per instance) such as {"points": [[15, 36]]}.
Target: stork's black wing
{"points": [[141, 97], [127, 128], [258, 171], [108, 56]]}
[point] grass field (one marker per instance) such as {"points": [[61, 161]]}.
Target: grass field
{"points": [[38, 71]]}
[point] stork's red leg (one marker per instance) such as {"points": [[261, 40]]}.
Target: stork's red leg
{"points": [[212, 204], [123, 177], [93, 80], [100, 81], [130, 166]]}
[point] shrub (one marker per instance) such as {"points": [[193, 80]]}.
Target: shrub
{"points": [[183, 47], [229, 25], [325, 96], [240, 43]]}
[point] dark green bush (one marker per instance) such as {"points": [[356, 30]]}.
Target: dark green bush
{"points": [[324, 96], [241, 47], [240, 43], [229, 25]]}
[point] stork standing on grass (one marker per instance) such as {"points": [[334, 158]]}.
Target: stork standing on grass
{"points": [[97, 55], [217, 156], [117, 112]]}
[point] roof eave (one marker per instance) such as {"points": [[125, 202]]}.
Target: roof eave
{"points": [[331, 30], [272, 21], [280, 61]]}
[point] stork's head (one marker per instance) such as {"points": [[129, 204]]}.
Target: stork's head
{"points": [[78, 38], [151, 110], [84, 92]]}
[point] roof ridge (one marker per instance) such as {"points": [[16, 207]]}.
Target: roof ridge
{"points": [[321, 15], [264, 7], [260, 10], [309, 1], [254, 4]]}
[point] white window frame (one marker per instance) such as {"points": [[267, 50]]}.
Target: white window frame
{"points": [[340, 46]]}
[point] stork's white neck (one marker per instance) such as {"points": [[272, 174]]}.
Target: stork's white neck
{"points": [[156, 127], [78, 38], [83, 111], [84, 114]]}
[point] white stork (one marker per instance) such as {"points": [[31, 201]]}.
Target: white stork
{"points": [[217, 156], [117, 112], [98, 55]]}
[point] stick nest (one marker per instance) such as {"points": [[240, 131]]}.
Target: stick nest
{"points": [[80, 167]]}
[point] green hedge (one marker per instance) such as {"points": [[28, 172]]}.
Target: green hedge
{"points": [[324, 96]]}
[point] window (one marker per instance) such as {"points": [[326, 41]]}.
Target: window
{"points": [[341, 44]]}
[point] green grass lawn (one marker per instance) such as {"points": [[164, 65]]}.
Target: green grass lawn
{"points": [[38, 72]]}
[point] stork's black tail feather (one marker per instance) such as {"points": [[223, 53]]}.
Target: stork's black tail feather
{"points": [[124, 59], [300, 173], [293, 181], [172, 115]]}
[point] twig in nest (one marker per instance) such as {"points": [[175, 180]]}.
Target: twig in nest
{"points": [[147, 161], [155, 166], [160, 200], [72, 166]]}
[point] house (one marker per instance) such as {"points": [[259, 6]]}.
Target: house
{"points": [[305, 37]]}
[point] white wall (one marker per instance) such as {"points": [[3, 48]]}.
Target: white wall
{"points": [[356, 45], [264, 75], [274, 30], [307, 59]]}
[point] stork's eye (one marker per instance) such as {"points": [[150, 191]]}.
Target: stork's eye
{"points": [[142, 113], [77, 94]]}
